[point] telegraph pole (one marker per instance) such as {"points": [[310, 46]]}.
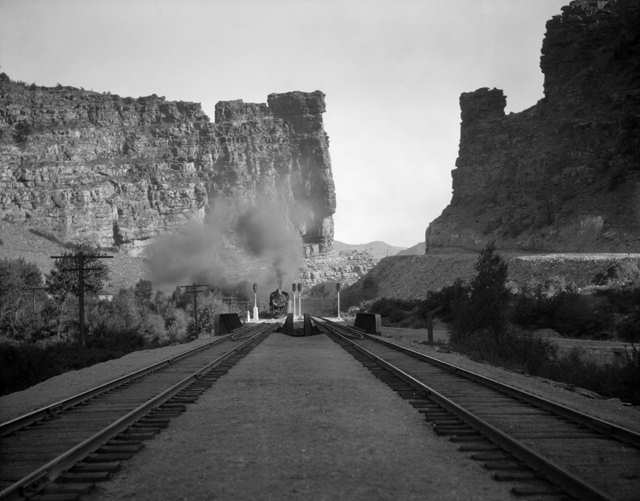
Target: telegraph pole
{"points": [[81, 261], [194, 290]]}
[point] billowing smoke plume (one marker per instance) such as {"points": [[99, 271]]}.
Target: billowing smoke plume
{"points": [[232, 249]]}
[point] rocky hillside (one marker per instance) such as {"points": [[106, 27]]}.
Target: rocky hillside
{"points": [[414, 250], [85, 166], [411, 277], [378, 249], [563, 175]]}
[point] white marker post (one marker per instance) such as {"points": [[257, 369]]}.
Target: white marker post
{"points": [[338, 291], [256, 316], [293, 288], [299, 300]]}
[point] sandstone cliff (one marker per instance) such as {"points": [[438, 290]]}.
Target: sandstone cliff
{"points": [[563, 175], [85, 166]]}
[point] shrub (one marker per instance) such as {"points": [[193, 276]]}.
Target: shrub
{"points": [[394, 310], [447, 299], [576, 315], [153, 329], [509, 348], [483, 308], [612, 380], [176, 324], [24, 365], [624, 300], [628, 329], [569, 313]]}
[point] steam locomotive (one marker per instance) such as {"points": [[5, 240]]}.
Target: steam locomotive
{"points": [[278, 302]]}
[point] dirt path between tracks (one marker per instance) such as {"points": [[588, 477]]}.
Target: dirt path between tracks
{"points": [[299, 418]]}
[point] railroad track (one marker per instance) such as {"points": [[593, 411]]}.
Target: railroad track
{"points": [[545, 449], [58, 452]]}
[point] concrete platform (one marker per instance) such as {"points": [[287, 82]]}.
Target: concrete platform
{"points": [[299, 418]]}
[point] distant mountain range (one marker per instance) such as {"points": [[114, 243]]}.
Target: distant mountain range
{"points": [[378, 249]]}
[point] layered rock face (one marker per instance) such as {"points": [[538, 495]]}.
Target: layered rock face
{"points": [[85, 166], [563, 175]]}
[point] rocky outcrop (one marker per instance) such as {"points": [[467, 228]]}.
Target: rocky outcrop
{"points": [[412, 277], [94, 167], [563, 175], [345, 267]]}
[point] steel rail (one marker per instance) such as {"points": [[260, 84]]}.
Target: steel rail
{"points": [[24, 420], [553, 472], [50, 471], [620, 433]]}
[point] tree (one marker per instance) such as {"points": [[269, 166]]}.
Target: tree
{"points": [[143, 291], [486, 305], [77, 273], [16, 315], [63, 279]]}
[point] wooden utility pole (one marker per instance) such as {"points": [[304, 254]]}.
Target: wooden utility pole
{"points": [[194, 290], [81, 262]]}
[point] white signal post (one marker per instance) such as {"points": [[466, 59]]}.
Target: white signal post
{"points": [[293, 289], [338, 291], [256, 316], [299, 300]]}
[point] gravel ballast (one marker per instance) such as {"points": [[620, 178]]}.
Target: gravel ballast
{"points": [[299, 418], [581, 400], [69, 383]]}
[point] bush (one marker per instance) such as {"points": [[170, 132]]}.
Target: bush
{"points": [[576, 315], [447, 299], [628, 329], [393, 310], [569, 313], [483, 307], [620, 381], [623, 300], [153, 329], [509, 348], [176, 324], [533, 310], [24, 365]]}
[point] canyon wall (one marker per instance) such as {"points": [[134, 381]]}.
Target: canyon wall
{"points": [[85, 166], [563, 175]]}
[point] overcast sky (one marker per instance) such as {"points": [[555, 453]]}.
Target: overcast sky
{"points": [[392, 72]]}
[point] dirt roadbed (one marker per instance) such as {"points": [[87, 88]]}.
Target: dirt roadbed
{"points": [[299, 418]]}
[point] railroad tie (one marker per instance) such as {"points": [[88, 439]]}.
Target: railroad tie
{"points": [[490, 456], [84, 476], [506, 465], [111, 467], [536, 489], [480, 447]]}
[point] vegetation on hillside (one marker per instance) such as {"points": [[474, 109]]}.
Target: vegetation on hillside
{"points": [[39, 318], [488, 323]]}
